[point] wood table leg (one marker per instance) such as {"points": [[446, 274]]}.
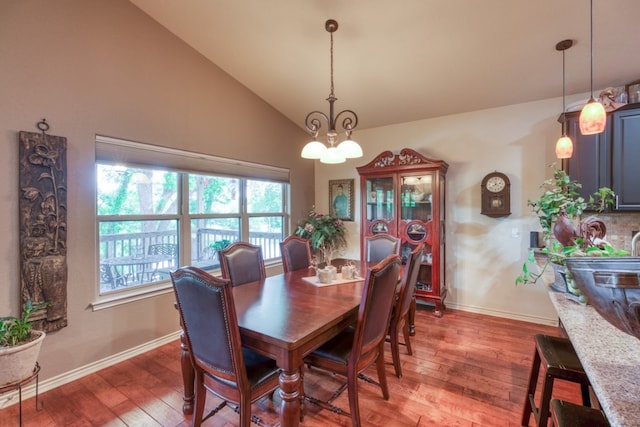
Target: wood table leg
{"points": [[289, 393]]}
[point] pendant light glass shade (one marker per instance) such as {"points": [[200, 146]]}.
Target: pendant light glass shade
{"points": [[313, 150], [350, 149], [593, 118], [564, 148], [332, 156]]}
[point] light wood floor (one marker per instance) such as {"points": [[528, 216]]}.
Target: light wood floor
{"points": [[467, 370]]}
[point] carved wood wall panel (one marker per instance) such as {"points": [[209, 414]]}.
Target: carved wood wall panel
{"points": [[43, 225]]}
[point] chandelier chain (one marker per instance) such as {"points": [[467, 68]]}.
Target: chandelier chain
{"points": [[331, 50]]}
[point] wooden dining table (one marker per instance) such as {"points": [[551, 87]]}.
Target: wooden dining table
{"points": [[285, 317]]}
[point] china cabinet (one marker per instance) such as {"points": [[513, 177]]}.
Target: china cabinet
{"points": [[404, 195]]}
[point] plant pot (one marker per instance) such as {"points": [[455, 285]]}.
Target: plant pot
{"points": [[19, 361], [612, 288]]}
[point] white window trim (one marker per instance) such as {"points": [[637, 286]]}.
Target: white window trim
{"points": [[115, 149]]}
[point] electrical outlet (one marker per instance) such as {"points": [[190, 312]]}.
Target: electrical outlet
{"points": [[515, 232]]}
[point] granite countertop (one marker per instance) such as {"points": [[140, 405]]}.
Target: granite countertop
{"points": [[610, 357]]}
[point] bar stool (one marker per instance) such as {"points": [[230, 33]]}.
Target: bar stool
{"points": [[560, 362], [567, 414]]}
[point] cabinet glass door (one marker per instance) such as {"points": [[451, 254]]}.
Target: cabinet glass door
{"points": [[380, 203], [416, 197]]}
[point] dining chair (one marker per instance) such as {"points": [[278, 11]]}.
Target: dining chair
{"points": [[221, 364], [380, 245], [402, 306], [241, 263], [163, 269], [296, 253], [356, 348], [111, 276]]}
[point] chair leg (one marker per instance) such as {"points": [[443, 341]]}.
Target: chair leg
{"points": [[354, 407], [395, 350], [407, 337], [245, 411], [382, 374], [201, 395]]}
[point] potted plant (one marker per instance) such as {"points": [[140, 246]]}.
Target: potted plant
{"points": [[326, 234], [19, 345], [559, 210]]}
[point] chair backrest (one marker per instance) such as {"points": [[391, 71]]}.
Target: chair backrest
{"points": [[296, 253], [210, 325], [170, 249], [242, 263], [408, 284], [381, 245], [375, 308]]}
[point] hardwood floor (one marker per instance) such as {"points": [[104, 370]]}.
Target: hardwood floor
{"points": [[467, 370]]}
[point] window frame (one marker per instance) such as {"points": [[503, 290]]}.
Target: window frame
{"points": [[104, 153]]}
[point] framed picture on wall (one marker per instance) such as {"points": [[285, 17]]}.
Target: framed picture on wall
{"points": [[341, 197]]}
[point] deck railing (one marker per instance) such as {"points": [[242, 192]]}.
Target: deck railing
{"points": [[203, 253]]}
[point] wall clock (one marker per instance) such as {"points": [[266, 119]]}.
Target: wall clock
{"points": [[496, 195]]}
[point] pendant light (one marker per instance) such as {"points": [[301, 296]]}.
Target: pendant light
{"points": [[347, 149], [593, 118], [564, 146]]}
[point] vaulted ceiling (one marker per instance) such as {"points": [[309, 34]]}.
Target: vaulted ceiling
{"points": [[407, 60]]}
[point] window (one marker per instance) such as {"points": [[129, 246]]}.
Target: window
{"points": [[152, 219]]}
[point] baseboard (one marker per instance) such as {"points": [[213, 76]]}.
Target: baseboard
{"points": [[29, 391], [505, 314]]}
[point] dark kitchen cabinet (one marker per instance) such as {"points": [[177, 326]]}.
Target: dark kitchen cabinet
{"points": [[625, 161], [591, 159], [608, 159]]}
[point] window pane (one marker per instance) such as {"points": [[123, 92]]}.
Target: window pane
{"points": [[135, 191], [264, 197], [268, 232], [213, 194], [134, 253], [208, 235]]}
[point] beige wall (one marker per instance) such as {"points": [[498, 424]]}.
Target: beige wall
{"points": [[104, 67], [483, 256]]}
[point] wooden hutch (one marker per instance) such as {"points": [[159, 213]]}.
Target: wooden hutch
{"points": [[404, 195]]}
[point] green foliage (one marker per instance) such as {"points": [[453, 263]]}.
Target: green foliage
{"points": [[561, 193], [219, 245], [323, 231], [558, 254], [14, 330]]}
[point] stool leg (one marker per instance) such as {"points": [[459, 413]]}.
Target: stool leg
{"points": [[531, 389], [545, 401], [586, 398]]}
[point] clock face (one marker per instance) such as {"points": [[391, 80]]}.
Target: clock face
{"points": [[495, 184]]}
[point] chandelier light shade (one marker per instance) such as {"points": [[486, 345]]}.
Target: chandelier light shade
{"points": [[593, 118], [347, 119], [564, 146]]}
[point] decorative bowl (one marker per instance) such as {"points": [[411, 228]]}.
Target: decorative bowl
{"points": [[612, 287], [416, 197]]}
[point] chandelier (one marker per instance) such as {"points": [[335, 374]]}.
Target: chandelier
{"points": [[347, 119]]}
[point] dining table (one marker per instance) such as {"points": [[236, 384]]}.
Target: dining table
{"points": [[142, 266], [286, 317]]}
